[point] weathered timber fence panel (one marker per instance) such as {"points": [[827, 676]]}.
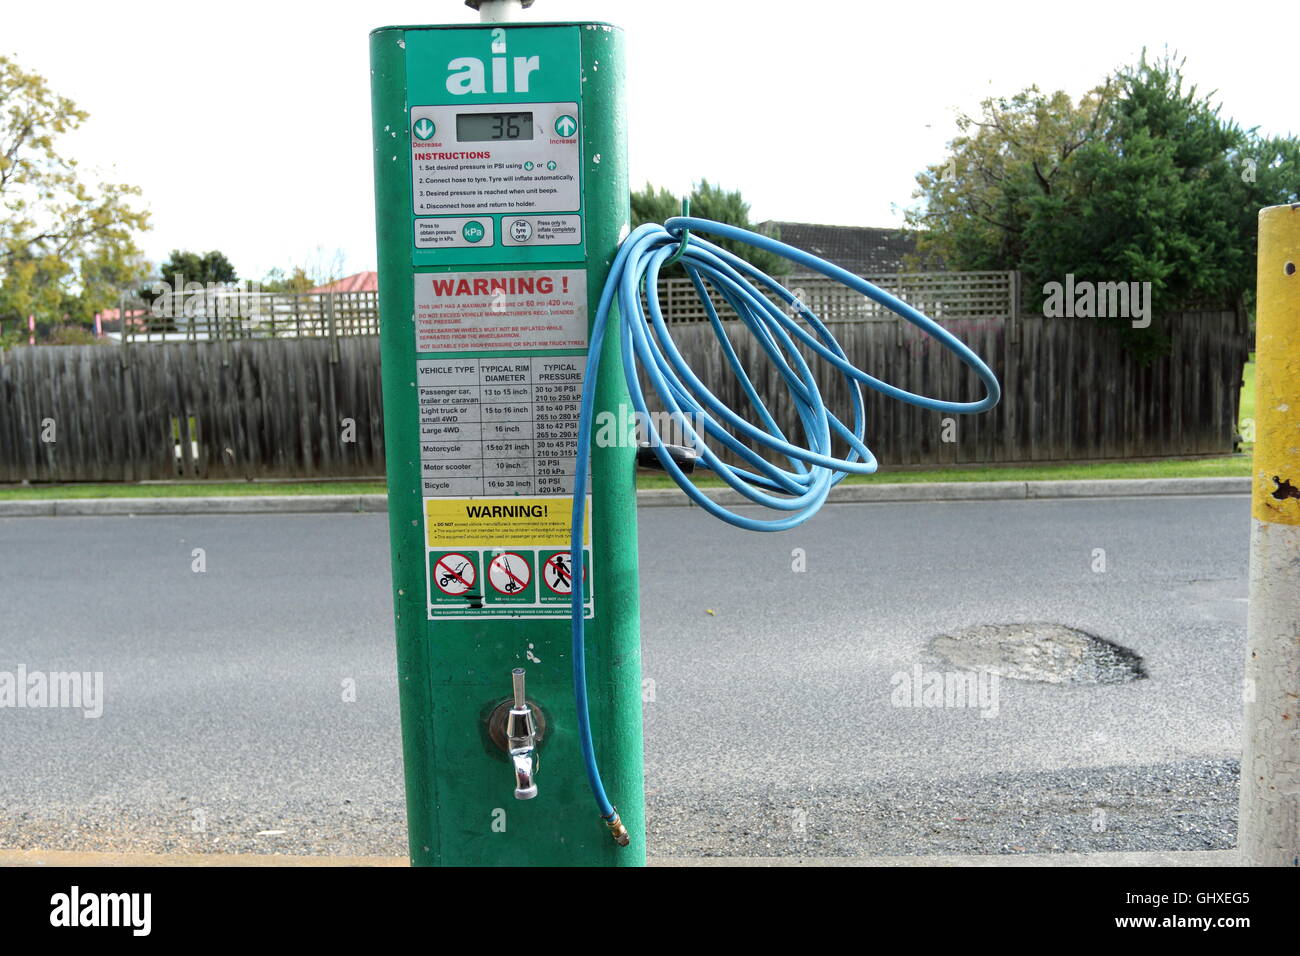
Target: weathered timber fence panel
{"points": [[1069, 390], [268, 408], [246, 315], [940, 295], [251, 409]]}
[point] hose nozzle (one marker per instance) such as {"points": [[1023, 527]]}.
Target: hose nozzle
{"points": [[616, 829]]}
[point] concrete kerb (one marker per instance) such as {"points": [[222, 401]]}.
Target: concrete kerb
{"points": [[650, 497]]}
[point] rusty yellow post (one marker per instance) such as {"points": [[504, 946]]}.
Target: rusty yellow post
{"points": [[1269, 831]]}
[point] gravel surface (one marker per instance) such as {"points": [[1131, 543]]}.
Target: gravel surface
{"points": [[1191, 806]]}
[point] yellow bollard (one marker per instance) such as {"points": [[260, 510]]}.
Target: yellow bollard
{"points": [[1269, 828]]}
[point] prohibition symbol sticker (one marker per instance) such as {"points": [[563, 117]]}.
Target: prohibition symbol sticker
{"points": [[509, 573], [454, 574], [557, 573]]}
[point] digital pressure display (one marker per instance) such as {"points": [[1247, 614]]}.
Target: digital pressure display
{"points": [[489, 127]]}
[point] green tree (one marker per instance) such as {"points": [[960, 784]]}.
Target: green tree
{"points": [[203, 268], [709, 201], [1141, 180], [979, 200], [317, 269], [66, 246], [295, 281]]}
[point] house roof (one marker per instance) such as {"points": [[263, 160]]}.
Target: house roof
{"points": [[112, 315], [862, 250], [360, 282]]}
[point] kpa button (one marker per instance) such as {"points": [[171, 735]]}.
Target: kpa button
{"points": [[444, 233]]}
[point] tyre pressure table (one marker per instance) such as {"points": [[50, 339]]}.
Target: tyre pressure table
{"points": [[494, 426]]}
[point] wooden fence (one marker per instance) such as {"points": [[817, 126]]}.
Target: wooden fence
{"points": [[233, 315], [1069, 392], [274, 408], [940, 295], [259, 408]]}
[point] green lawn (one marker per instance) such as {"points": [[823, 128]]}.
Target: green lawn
{"points": [[1231, 466], [1235, 465], [196, 489], [1248, 396]]}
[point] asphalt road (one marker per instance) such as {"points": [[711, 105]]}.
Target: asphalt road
{"points": [[775, 727]]}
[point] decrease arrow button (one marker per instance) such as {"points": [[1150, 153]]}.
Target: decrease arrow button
{"points": [[424, 129]]}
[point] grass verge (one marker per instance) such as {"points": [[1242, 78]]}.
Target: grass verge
{"points": [[1230, 466]]}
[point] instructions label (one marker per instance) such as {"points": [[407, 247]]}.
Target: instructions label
{"points": [[521, 157], [500, 310]]}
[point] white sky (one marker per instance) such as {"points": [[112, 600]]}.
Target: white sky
{"points": [[247, 124]]}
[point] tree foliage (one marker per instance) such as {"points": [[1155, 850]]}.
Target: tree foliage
{"points": [[1140, 180], [296, 280], [709, 201], [66, 246], [204, 268]]}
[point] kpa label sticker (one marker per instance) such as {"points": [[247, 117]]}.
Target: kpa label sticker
{"points": [[526, 571]]}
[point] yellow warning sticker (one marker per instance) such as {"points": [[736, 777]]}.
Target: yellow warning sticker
{"points": [[501, 522]]}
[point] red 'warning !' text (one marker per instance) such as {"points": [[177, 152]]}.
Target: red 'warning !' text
{"points": [[508, 285], [501, 310]]}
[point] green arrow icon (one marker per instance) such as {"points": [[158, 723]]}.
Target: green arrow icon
{"points": [[566, 125], [424, 129]]}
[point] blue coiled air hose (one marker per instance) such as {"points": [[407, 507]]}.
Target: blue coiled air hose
{"points": [[796, 492]]}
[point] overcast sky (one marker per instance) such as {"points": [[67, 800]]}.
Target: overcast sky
{"points": [[247, 124]]}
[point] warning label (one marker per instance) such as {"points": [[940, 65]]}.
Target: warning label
{"points": [[524, 522], [488, 311], [503, 557]]}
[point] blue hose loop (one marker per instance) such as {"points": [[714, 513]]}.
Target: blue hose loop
{"points": [[685, 238], [795, 492]]}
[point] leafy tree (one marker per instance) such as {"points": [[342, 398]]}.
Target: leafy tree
{"points": [[709, 201], [198, 267], [296, 281], [654, 205], [977, 202], [1141, 180], [73, 335], [319, 268], [66, 246]]}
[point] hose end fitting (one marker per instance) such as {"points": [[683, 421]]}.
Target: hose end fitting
{"points": [[616, 829]]}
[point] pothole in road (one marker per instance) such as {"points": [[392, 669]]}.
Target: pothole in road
{"points": [[1049, 653]]}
